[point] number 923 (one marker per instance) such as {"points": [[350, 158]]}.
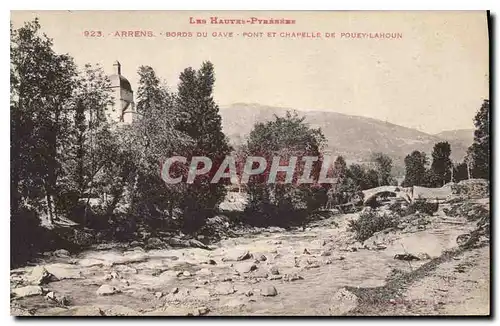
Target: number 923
{"points": [[92, 33]]}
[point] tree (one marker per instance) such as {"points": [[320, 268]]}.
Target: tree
{"points": [[460, 172], [480, 148], [415, 166], [156, 138], [202, 123], [284, 137], [371, 179], [383, 164], [42, 83], [92, 146], [441, 164]]}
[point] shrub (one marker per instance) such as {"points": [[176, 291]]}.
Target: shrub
{"points": [[370, 222], [423, 207]]}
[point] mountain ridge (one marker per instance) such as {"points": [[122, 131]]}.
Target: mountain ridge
{"points": [[353, 137]]}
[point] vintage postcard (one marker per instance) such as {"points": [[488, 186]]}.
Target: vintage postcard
{"points": [[250, 163]]}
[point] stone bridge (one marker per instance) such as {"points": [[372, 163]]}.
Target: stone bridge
{"points": [[405, 193]]}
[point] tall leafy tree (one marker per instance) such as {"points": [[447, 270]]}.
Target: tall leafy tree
{"points": [[156, 138], [415, 167], [480, 148], [383, 166], [284, 137], [92, 145], [460, 172], [42, 83], [202, 123], [441, 163]]}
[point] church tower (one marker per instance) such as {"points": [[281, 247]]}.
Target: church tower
{"points": [[123, 108]]}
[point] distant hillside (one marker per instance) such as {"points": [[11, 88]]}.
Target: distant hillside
{"points": [[353, 137], [465, 136]]}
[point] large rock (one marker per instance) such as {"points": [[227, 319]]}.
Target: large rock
{"points": [[224, 289], [292, 277], [64, 271], [63, 253], [237, 255], [406, 257], [342, 302], [274, 270], [27, 291], [269, 291], [247, 267], [39, 276], [56, 298], [107, 290], [89, 262]]}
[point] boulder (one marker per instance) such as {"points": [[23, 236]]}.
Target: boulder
{"points": [[197, 244], [406, 257], [107, 290], [27, 291], [259, 274], [269, 291], [200, 311], [292, 277], [224, 289], [89, 262], [39, 276], [135, 244], [62, 253], [245, 267], [58, 299], [237, 255], [64, 271], [274, 270]]}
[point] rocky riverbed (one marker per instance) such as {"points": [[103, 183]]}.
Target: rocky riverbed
{"points": [[318, 270]]}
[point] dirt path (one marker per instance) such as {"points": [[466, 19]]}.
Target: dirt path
{"points": [[290, 273]]}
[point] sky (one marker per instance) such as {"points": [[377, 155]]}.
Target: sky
{"points": [[433, 78]]}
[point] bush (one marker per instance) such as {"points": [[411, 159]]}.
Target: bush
{"points": [[423, 207], [471, 211], [420, 206], [370, 222]]}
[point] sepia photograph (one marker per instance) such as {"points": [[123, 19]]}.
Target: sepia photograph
{"points": [[250, 163]]}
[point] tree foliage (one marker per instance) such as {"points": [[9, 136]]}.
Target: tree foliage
{"points": [[285, 137], [441, 164], [480, 148], [383, 166], [415, 169], [202, 123]]}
